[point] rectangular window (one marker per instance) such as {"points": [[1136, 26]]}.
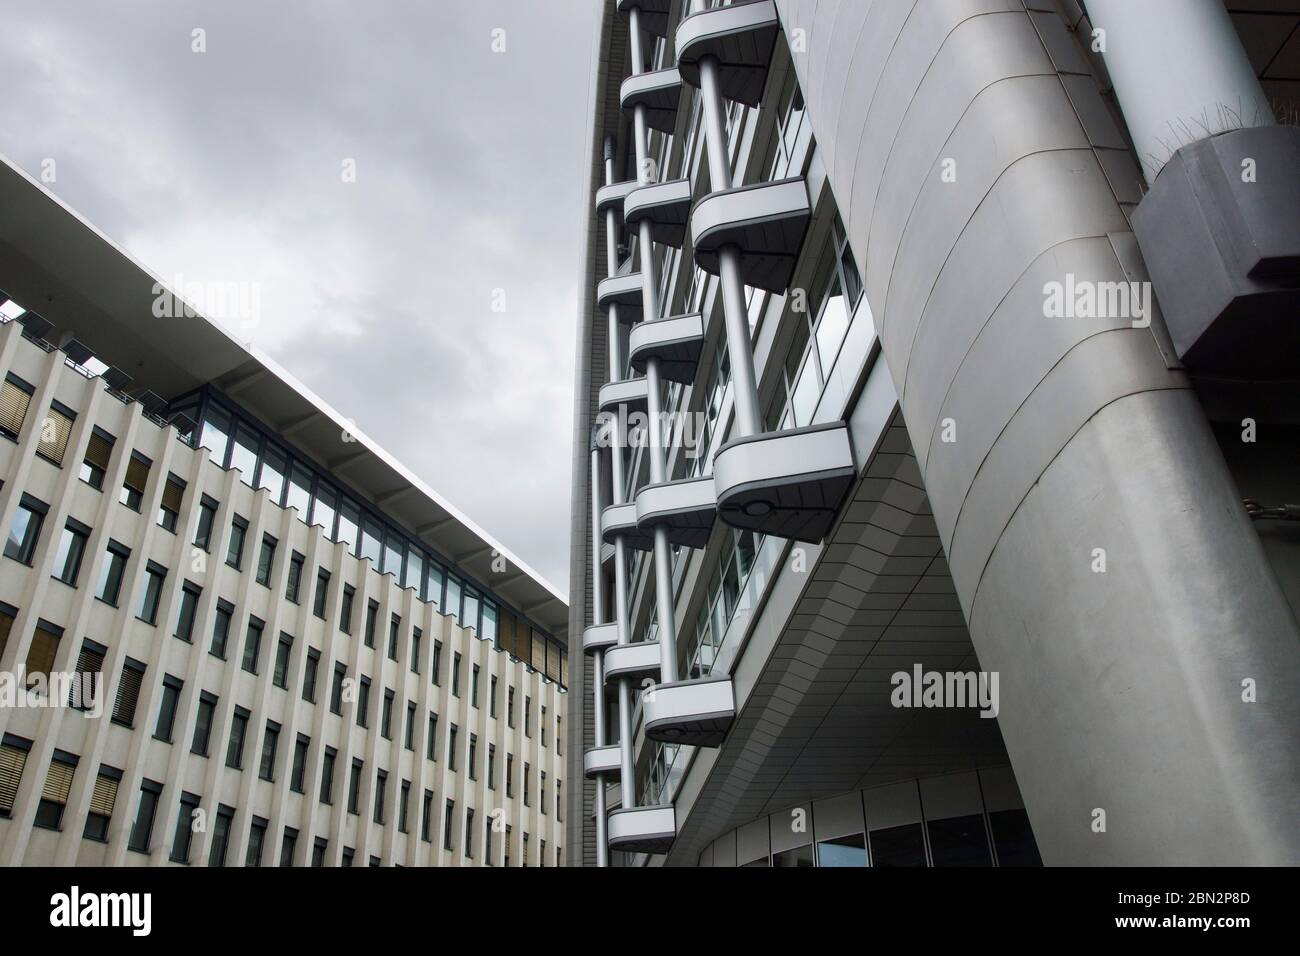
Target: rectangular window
{"points": [[71, 549], [386, 719], [280, 674], [527, 773], [336, 692], [409, 741], [318, 851], [363, 702], [293, 586], [58, 784], [111, 575], [451, 748], [394, 626], [171, 695], [473, 757], [15, 397], [372, 613], [151, 593], [327, 775], [455, 674], [184, 834], [243, 453], [451, 604], [510, 707], [221, 628], [89, 661], [416, 636], [95, 465], [128, 692], [102, 800], [43, 649], [541, 789], [185, 613], [433, 585], [238, 732], [269, 743], [169, 509], [469, 610], [256, 841], [492, 698], [371, 536], [252, 645], [473, 687], [345, 613], [528, 716], [381, 789], [288, 846], [142, 829], [354, 787], [322, 593], [221, 835], [298, 494], [309, 675], [436, 665], [299, 772], [13, 758], [492, 767], [449, 811], [431, 744], [271, 475], [426, 811], [203, 528], [469, 833], [348, 854], [203, 724], [235, 550], [544, 728], [265, 558], [25, 530], [487, 845], [137, 476]]}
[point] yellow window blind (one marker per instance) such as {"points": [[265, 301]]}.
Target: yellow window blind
{"points": [[13, 407], [12, 761], [55, 429], [105, 795], [58, 782], [98, 451], [137, 473], [40, 656], [172, 496]]}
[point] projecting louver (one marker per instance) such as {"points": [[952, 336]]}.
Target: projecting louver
{"points": [[98, 450], [58, 782], [539, 652], [55, 429], [137, 474], [128, 694], [13, 408], [79, 352], [105, 795], [12, 761]]}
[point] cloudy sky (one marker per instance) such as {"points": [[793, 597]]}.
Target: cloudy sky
{"points": [[378, 294]]}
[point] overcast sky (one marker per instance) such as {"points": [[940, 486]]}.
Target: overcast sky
{"points": [[227, 165]]}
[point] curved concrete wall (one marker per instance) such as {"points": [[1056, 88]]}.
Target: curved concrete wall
{"points": [[1121, 691]]}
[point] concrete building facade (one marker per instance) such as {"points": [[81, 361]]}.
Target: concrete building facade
{"points": [[968, 321], [308, 658]]}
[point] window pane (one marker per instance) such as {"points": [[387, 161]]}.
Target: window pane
{"points": [[243, 456], [469, 613], [834, 323], [959, 841], [371, 538], [898, 846], [322, 512], [272, 476], [216, 434], [393, 548], [843, 851], [452, 605], [299, 496], [414, 575], [349, 515], [433, 585]]}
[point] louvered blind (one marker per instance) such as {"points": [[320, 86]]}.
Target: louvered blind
{"points": [[12, 761], [128, 693], [54, 436], [89, 661], [58, 782], [105, 795], [172, 496], [98, 451], [137, 473], [539, 652], [13, 407], [40, 657]]}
